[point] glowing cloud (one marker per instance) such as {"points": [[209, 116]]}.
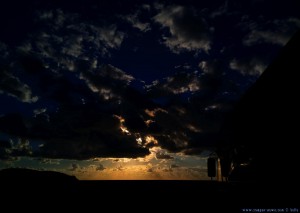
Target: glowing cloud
{"points": [[122, 127]]}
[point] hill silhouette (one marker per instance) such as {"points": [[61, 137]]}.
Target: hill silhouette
{"points": [[30, 175], [39, 183]]}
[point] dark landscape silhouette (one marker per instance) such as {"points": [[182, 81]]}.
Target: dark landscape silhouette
{"points": [[29, 175]]}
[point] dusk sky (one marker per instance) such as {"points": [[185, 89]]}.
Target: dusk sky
{"points": [[129, 89]]}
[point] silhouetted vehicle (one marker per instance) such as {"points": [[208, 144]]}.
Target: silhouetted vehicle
{"points": [[211, 167]]}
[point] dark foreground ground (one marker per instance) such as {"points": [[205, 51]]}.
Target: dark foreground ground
{"points": [[57, 191]]}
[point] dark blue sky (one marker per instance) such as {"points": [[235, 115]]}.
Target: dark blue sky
{"points": [[86, 79]]}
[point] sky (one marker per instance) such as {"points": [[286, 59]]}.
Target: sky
{"points": [[114, 90]]}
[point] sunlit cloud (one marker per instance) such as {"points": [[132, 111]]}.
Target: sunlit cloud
{"points": [[153, 112], [148, 122], [122, 127], [150, 140], [145, 171], [193, 128]]}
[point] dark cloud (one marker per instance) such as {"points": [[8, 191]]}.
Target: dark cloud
{"points": [[48, 161], [181, 82], [12, 86], [82, 107], [39, 111], [277, 31], [79, 125], [212, 67], [188, 30], [74, 167], [64, 38], [222, 10], [100, 167], [108, 81], [174, 166], [193, 151], [111, 36], [189, 125], [79, 129], [80, 132], [13, 124], [86, 133], [15, 148], [135, 21], [208, 81], [4, 52], [252, 66], [5, 147], [162, 155]]}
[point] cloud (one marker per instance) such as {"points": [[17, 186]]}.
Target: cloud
{"points": [[153, 112], [181, 82], [12, 86], [100, 167], [74, 167], [73, 46], [85, 133], [173, 166], [39, 111], [207, 82], [253, 66], [161, 155], [48, 161], [80, 125], [83, 101], [133, 19], [74, 35], [109, 71], [3, 51], [277, 31], [5, 147], [188, 126], [146, 7], [110, 36], [84, 130], [18, 147], [212, 67], [108, 81], [56, 17], [188, 30], [73, 132], [223, 9]]}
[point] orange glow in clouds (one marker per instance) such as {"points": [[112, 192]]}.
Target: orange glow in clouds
{"points": [[122, 127]]}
